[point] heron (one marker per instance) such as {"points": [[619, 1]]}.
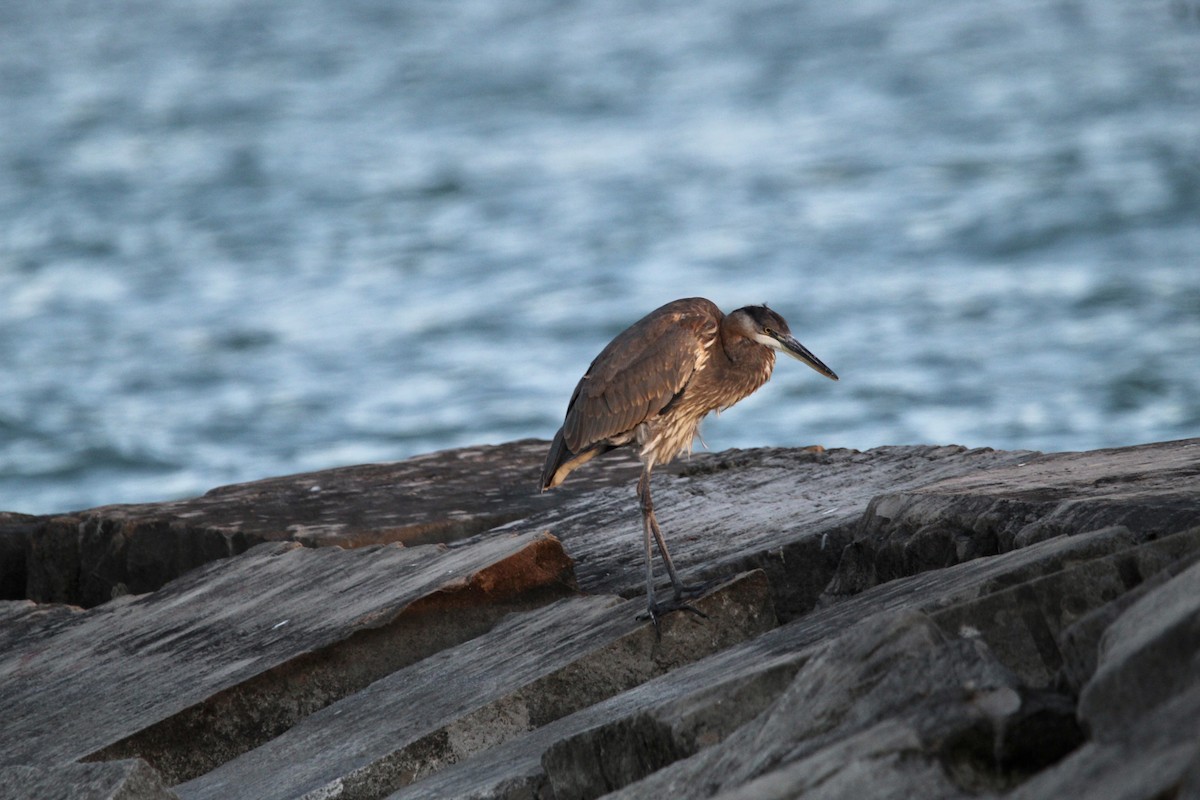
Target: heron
{"points": [[650, 388]]}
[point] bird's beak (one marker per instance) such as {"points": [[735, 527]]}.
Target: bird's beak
{"points": [[793, 348]]}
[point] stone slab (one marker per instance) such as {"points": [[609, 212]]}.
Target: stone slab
{"points": [[896, 674], [1149, 489], [788, 512], [235, 652], [796, 514], [91, 556], [1080, 641], [1150, 653], [1027, 625], [129, 779], [697, 705], [531, 669], [877, 763]]}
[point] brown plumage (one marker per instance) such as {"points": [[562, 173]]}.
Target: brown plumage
{"points": [[655, 382]]}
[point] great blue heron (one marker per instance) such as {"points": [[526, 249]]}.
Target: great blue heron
{"points": [[651, 387]]}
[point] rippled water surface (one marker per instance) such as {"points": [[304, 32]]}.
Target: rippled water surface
{"points": [[241, 239]]}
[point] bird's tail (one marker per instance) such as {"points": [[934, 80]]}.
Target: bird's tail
{"points": [[558, 455], [561, 460]]}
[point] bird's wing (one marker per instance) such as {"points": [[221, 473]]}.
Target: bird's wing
{"points": [[640, 372]]}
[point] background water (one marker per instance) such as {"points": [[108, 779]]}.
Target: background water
{"points": [[241, 239]]}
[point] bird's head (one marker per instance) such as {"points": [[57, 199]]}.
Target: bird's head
{"points": [[761, 324]]}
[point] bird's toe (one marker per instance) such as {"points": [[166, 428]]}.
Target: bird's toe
{"points": [[656, 611]]}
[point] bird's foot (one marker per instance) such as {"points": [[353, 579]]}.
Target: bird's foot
{"points": [[657, 611]]}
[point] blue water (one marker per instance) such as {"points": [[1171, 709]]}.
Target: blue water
{"points": [[241, 239]]}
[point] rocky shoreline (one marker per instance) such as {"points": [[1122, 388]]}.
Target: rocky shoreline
{"points": [[901, 622]]}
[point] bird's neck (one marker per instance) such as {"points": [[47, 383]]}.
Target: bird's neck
{"points": [[747, 358], [740, 351]]}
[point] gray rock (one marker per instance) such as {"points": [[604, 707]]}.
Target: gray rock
{"points": [[805, 507], [1142, 700], [130, 779], [1150, 653], [237, 652], [1034, 627], [1150, 490], [787, 512], [1155, 563], [530, 670], [878, 763], [699, 705], [23, 623], [89, 557], [625, 748], [942, 608], [892, 702]]}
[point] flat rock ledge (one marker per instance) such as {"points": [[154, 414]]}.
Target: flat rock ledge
{"points": [[902, 622]]}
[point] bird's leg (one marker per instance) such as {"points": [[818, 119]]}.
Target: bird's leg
{"points": [[649, 562], [682, 590], [651, 529]]}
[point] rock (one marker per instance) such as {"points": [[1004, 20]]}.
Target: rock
{"points": [[942, 610], [528, 671], [1150, 490], [787, 512], [889, 693], [236, 652], [896, 667], [1080, 641], [89, 557], [872, 763], [699, 705], [1150, 653], [23, 624], [625, 748], [130, 779], [1026, 624]]}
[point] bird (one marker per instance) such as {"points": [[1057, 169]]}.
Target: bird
{"points": [[650, 388]]}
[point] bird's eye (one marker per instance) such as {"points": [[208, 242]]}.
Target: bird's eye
{"points": [[768, 332]]}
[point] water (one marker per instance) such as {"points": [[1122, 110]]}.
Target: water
{"points": [[243, 239]]}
